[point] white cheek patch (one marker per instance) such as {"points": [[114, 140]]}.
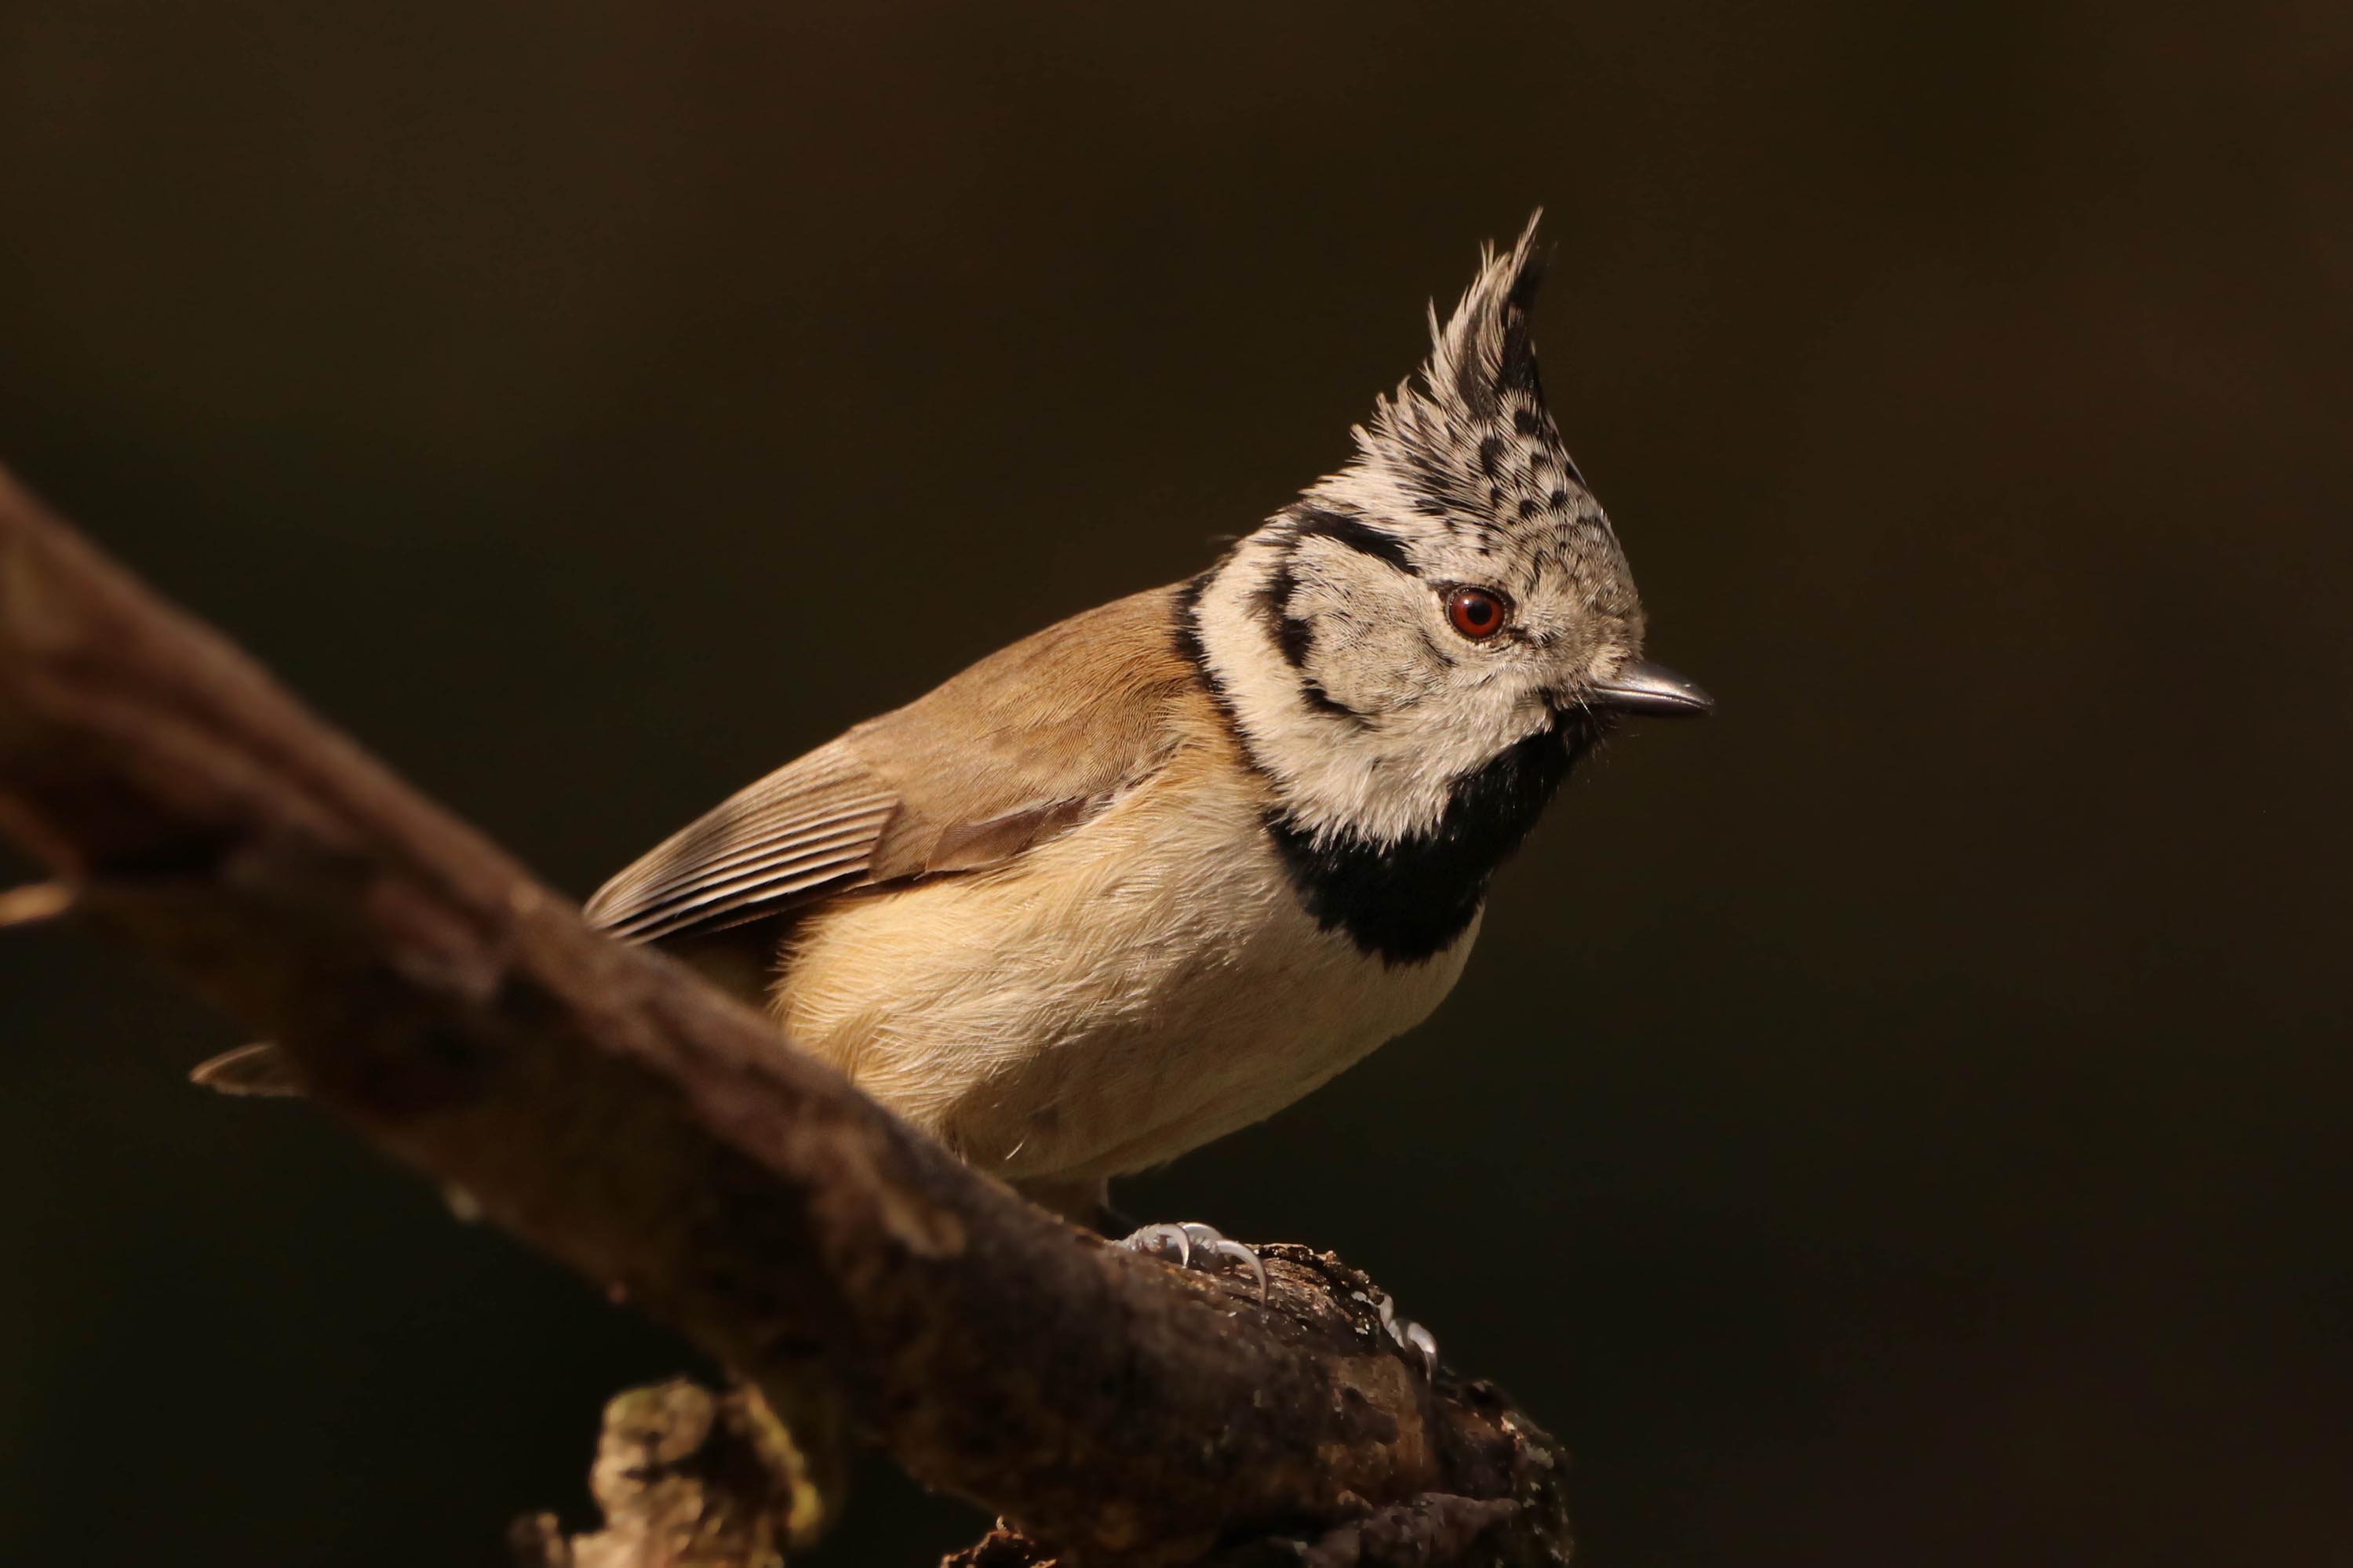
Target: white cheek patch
{"points": [[1381, 669], [1368, 651], [1384, 774]]}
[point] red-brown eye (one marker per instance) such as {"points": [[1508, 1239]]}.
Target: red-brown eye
{"points": [[1477, 612]]}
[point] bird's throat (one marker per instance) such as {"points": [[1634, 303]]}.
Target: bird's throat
{"points": [[1408, 899]]}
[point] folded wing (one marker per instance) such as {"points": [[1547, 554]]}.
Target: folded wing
{"points": [[1024, 745]]}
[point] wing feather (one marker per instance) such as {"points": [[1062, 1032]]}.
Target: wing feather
{"points": [[813, 821], [1024, 745]]}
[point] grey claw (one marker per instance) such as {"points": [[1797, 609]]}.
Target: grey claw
{"points": [[1156, 1237], [1194, 1239], [1409, 1335], [1419, 1339], [1246, 1258]]}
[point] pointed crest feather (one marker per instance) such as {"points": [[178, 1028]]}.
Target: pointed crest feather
{"points": [[1467, 438], [1482, 354]]}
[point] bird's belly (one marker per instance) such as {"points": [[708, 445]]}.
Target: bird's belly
{"points": [[1118, 997]]}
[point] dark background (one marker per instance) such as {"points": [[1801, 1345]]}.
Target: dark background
{"points": [[1902, 1120]]}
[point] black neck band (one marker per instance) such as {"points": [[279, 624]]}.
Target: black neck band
{"points": [[1411, 899]]}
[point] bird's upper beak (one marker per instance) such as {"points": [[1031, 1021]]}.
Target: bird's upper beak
{"points": [[1650, 691]]}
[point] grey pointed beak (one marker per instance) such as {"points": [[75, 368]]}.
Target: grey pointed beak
{"points": [[1651, 691]]}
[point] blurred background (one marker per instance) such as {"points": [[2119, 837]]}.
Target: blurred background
{"points": [[1902, 1120]]}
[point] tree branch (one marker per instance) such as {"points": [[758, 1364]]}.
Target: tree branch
{"points": [[607, 1108], [685, 1479]]}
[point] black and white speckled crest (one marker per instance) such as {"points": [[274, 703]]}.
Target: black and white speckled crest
{"points": [[1467, 443]]}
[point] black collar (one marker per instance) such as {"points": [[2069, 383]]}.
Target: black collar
{"points": [[1407, 900]]}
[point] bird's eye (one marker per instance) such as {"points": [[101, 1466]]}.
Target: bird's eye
{"points": [[1477, 612]]}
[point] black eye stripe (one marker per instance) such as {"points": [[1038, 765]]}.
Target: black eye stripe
{"points": [[1356, 534]]}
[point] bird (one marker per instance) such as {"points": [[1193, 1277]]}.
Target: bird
{"points": [[1152, 874], [1146, 877]]}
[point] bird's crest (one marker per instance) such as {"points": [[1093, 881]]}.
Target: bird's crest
{"points": [[1467, 438]]}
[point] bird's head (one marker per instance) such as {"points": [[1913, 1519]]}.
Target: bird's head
{"points": [[1452, 601]]}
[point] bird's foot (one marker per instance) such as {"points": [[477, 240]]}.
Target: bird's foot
{"points": [[1196, 1246], [1408, 1334]]}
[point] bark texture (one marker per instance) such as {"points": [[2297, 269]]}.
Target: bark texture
{"points": [[607, 1109], [686, 1478]]}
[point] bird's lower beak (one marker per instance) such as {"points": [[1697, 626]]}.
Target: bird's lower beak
{"points": [[1650, 691]]}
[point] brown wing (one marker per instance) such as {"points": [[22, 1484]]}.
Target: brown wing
{"points": [[1025, 744]]}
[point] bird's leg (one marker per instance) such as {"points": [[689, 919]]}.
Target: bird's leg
{"points": [[1195, 1245], [1192, 1245], [1188, 1246]]}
